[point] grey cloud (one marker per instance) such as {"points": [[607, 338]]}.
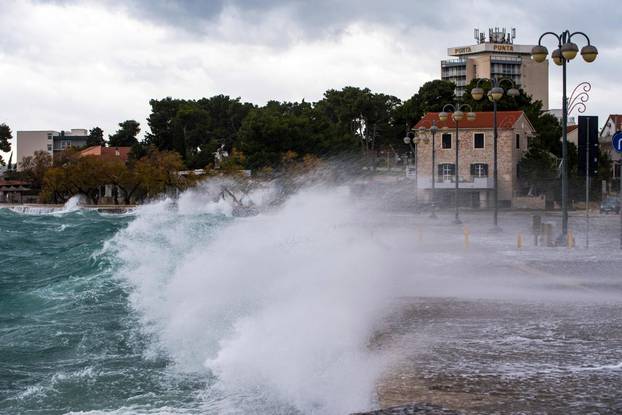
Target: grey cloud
{"points": [[322, 18]]}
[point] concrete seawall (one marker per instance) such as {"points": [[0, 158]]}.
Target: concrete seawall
{"points": [[99, 208]]}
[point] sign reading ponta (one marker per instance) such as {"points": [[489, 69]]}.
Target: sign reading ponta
{"points": [[616, 141]]}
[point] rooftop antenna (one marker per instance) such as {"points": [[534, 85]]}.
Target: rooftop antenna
{"points": [[476, 35]]}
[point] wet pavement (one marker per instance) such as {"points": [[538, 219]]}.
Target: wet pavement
{"points": [[544, 336]]}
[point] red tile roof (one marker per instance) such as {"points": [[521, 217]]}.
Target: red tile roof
{"points": [[571, 128], [110, 153], [505, 120], [4, 182]]}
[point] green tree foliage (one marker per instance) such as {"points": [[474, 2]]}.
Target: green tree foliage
{"points": [[539, 171], [96, 137], [33, 167], [431, 97], [5, 136], [125, 135], [196, 129]]}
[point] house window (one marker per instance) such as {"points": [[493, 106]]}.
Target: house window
{"points": [[479, 170], [446, 140], [49, 147], [478, 140], [446, 171], [518, 141]]}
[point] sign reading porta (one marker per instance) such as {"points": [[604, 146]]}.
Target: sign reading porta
{"points": [[616, 141]]}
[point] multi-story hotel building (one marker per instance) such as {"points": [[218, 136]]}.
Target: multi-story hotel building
{"points": [[497, 56], [475, 175], [28, 142]]}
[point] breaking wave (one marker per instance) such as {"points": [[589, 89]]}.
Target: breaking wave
{"points": [[279, 307]]}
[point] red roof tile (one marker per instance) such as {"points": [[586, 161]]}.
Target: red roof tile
{"points": [[122, 153], [505, 120]]}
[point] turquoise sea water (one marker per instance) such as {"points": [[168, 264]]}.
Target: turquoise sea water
{"points": [[69, 339]]}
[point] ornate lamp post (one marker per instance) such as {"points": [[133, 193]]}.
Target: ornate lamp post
{"points": [[495, 94], [457, 116], [433, 129], [565, 52]]}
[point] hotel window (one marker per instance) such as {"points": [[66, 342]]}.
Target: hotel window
{"points": [[518, 141], [446, 140], [478, 140], [446, 171], [479, 170]]}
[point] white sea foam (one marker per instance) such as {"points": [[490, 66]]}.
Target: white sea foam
{"points": [[72, 205], [280, 306]]}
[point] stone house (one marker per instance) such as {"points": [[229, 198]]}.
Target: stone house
{"points": [[475, 158]]}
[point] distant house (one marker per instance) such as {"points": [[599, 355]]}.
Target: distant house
{"points": [[52, 142], [612, 125], [109, 193], [475, 175], [15, 191], [107, 153]]}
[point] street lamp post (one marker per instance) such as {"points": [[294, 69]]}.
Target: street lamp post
{"points": [[565, 52], [433, 129], [412, 140], [495, 94], [457, 116]]}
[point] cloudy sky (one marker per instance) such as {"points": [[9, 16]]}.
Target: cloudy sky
{"points": [[84, 63]]}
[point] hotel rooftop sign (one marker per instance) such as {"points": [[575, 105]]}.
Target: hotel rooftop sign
{"points": [[490, 47]]}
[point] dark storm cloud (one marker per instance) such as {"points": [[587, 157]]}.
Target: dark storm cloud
{"points": [[321, 18]]}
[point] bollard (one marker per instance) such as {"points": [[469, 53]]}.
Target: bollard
{"points": [[570, 239], [547, 230], [466, 237], [519, 241]]}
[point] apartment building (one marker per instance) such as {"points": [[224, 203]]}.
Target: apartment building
{"points": [[28, 142]]}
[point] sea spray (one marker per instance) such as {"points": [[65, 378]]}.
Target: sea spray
{"points": [[280, 307]]}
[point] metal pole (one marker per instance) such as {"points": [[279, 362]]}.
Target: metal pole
{"points": [[564, 236], [433, 215], [587, 186], [457, 174], [416, 176], [495, 167]]}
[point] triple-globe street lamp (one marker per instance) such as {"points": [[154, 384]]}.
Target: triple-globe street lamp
{"points": [[565, 52], [457, 115], [433, 129], [413, 138], [495, 94]]}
